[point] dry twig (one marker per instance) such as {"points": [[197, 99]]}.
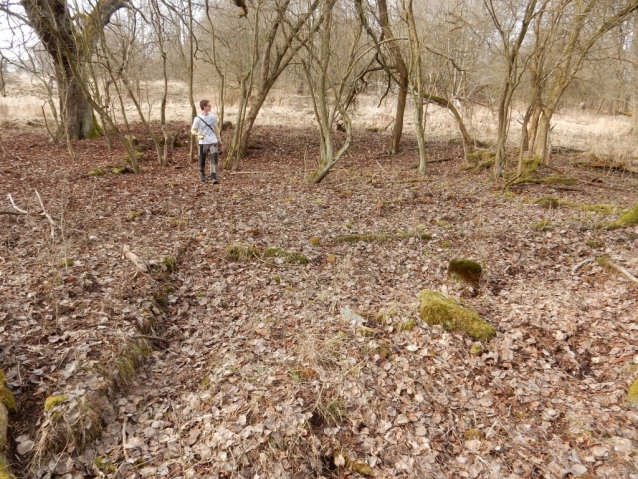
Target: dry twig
{"points": [[136, 260], [19, 210], [47, 215]]}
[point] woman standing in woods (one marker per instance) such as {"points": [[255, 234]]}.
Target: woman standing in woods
{"points": [[206, 127]]}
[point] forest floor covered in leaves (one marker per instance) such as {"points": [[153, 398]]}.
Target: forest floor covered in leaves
{"points": [[216, 363]]}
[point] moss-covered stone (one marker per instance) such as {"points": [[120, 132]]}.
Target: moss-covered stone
{"points": [[96, 172], [466, 271], [314, 241], [287, 256], [52, 402], [632, 395], [119, 171], [628, 219], [238, 251], [436, 308]]}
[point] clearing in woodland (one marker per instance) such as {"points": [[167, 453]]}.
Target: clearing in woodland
{"points": [[152, 326]]}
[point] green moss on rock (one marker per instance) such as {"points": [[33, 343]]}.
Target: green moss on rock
{"points": [[436, 308], [632, 395], [595, 244], [465, 270], [96, 172], [119, 171]]}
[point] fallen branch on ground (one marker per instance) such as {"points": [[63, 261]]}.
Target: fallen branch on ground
{"points": [[19, 210], [623, 271], [581, 264], [136, 260], [47, 215]]}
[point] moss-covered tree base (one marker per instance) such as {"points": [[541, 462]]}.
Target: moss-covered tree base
{"points": [[436, 308]]}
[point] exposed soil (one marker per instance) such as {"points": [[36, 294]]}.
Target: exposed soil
{"points": [[264, 367]]}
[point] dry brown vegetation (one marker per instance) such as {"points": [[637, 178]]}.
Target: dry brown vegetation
{"points": [[215, 364]]}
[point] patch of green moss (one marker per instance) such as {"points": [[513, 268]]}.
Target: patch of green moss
{"points": [[595, 244], [628, 219], [138, 155], [287, 256], [132, 357], [632, 395], [205, 383], [545, 225], [52, 402], [465, 270], [384, 350], [104, 465], [446, 244], [548, 203], [170, 263], [360, 468], [177, 222], [380, 238], [96, 172], [436, 308], [119, 171], [133, 214], [314, 241], [476, 349], [558, 180], [385, 315], [366, 333], [241, 251], [471, 434], [6, 398], [4, 470], [406, 326], [599, 208], [67, 263]]}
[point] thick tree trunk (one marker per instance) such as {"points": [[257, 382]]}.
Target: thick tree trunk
{"points": [[78, 119]]}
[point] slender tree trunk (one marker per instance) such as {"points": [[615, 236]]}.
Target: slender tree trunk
{"points": [[402, 70]]}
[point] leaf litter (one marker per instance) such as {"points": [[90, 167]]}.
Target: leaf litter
{"points": [[219, 366]]}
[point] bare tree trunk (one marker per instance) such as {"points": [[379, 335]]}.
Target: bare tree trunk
{"points": [[402, 81]]}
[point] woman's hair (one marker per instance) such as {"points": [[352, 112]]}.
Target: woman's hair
{"points": [[203, 103]]}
